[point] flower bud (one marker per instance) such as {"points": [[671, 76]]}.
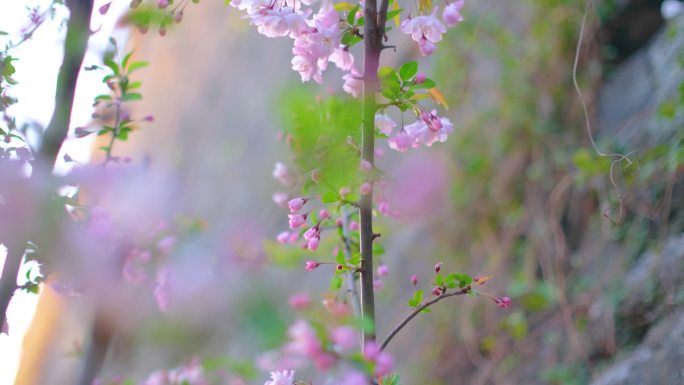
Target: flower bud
{"points": [[420, 78], [438, 267], [414, 280], [365, 188], [311, 265]]}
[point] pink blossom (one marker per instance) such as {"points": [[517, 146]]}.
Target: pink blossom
{"points": [[383, 270], [503, 302], [312, 245], [345, 337], [414, 280], [371, 351], [378, 284], [365, 188], [162, 3], [342, 58], [344, 191], [311, 265], [401, 142], [286, 237], [452, 13], [425, 30], [337, 309], [311, 233], [285, 377], [133, 269], [303, 340], [280, 199], [299, 301], [430, 130], [296, 204], [161, 289], [307, 65], [327, 18], [426, 47], [281, 21], [281, 173], [354, 226], [323, 214], [383, 364], [296, 220], [420, 78], [365, 165], [384, 208], [437, 291], [353, 83], [354, 378], [438, 267], [384, 123]]}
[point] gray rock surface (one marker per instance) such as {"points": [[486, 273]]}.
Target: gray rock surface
{"points": [[629, 100], [657, 361]]}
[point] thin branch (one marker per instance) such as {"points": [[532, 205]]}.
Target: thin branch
{"points": [[417, 310], [75, 45], [101, 334], [10, 271]]}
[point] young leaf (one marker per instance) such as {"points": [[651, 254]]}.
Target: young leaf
{"points": [[136, 65], [329, 197], [351, 16], [408, 70]]}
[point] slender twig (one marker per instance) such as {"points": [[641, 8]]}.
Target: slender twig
{"points": [[351, 284], [417, 310], [372, 48]]}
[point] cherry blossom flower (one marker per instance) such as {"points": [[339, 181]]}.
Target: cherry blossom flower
{"points": [[401, 141], [281, 173], [299, 301], [311, 265], [296, 204], [502, 302], [353, 83], [342, 58], [414, 280], [452, 13], [425, 30], [383, 270], [365, 188], [384, 124], [296, 221], [280, 199], [365, 165], [285, 377], [307, 65], [345, 337]]}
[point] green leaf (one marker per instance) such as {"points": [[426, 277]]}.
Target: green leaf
{"points": [[336, 282], [427, 84], [112, 65], [134, 85], [393, 13], [136, 65], [124, 62], [103, 97], [329, 197], [386, 72], [131, 96], [351, 16], [3, 33], [408, 70]]}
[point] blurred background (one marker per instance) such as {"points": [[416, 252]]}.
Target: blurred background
{"points": [[589, 248]]}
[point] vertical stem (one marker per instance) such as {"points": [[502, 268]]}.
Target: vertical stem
{"points": [[372, 49]]}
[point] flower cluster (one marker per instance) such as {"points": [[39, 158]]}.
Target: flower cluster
{"points": [[427, 30], [316, 37], [428, 129], [190, 374]]}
